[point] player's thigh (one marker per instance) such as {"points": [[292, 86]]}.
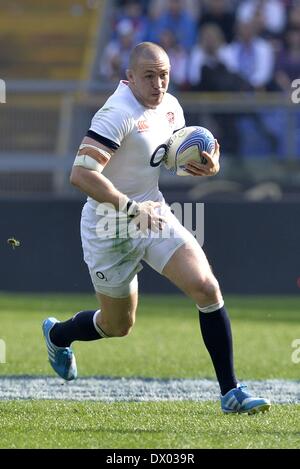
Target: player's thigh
{"points": [[117, 314], [190, 271]]}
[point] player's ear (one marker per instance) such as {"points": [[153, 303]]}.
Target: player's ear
{"points": [[129, 76]]}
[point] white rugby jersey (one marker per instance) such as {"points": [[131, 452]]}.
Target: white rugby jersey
{"points": [[139, 135]]}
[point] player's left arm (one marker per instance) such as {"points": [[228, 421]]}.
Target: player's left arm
{"points": [[210, 168]]}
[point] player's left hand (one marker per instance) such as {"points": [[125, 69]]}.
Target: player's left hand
{"points": [[210, 168]]}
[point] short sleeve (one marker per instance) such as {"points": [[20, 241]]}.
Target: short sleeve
{"points": [[179, 117], [110, 126]]}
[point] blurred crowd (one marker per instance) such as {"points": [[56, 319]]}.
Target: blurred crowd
{"points": [[213, 45]]}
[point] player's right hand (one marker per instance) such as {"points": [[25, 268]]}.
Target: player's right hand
{"points": [[210, 168], [149, 217]]}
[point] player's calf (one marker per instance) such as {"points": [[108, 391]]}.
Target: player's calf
{"points": [[115, 327], [117, 316]]}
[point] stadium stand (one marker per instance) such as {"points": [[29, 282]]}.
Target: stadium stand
{"points": [[46, 39], [54, 60], [46, 53]]}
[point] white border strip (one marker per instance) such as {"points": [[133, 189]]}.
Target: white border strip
{"points": [[136, 389]]}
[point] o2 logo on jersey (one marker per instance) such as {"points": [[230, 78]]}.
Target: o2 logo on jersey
{"points": [[158, 155]]}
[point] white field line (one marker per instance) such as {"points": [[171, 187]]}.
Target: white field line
{"points": [[136, 389]]}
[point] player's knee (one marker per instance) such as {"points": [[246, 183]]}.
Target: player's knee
{"points": [[211, 289], [207, 291]]}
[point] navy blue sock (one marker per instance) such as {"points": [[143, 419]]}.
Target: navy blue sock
{"points": [[216, 333], [79, 327]]}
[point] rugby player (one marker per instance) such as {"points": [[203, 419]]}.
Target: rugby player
{"points": [[117, 167]]}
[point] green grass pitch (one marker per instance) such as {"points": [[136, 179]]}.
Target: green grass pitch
{"points": [[165, 343]]}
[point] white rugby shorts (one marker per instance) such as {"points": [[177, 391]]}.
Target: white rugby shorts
{"points": [[114, 262]]}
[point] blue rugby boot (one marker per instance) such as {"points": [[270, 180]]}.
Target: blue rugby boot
{"points": [[237, 401], [62, 359]]}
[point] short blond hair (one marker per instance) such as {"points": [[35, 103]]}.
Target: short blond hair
{"points": [[145, 50]]}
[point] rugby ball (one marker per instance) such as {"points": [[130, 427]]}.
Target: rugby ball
{"points": [[187, 145]]}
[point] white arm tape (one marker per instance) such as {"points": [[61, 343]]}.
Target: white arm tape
{"points": [[128, 206], [99, 150], [85, 161], [123, 201]]}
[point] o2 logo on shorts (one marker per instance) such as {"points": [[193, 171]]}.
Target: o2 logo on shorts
{"points": [[101, 275], [158, 155]]}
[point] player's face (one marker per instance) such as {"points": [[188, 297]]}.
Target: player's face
{"points": [[149, 80]]}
